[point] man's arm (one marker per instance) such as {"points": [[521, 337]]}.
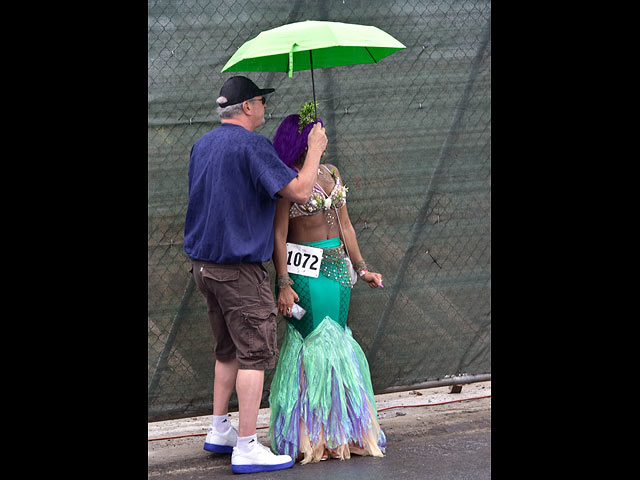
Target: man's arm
{"points": [[299, 189]]}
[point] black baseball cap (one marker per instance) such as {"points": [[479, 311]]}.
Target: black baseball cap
{"points": [[238, 89]]}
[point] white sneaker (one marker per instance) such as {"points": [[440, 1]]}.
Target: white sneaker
{"points": [[258, 459], [221, 442]]}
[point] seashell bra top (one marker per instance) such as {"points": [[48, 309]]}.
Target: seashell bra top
{"points": [[319, 200]]}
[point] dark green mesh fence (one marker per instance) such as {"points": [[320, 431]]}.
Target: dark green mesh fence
{"points": [[411, 136]]}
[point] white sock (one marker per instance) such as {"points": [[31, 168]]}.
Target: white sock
{"points": [[221, 422], [246, 443]]}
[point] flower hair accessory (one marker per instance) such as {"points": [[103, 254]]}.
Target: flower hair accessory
{"points": [[306, 114]]}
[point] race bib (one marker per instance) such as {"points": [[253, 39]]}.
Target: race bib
{"points": [[303, 260]]}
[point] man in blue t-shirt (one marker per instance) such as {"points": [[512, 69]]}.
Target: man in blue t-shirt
{"points": [[235, 178]]}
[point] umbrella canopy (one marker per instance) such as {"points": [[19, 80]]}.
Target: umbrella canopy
{"points": [[312, 44], [288, 48]]}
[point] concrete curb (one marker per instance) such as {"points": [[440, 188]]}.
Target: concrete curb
{"points": [[195, 426]]}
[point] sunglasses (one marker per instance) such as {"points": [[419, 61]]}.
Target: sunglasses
{"points": [[263, 100]]}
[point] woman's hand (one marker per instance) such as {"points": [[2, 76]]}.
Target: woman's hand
{"points": [[373, 279], [287, 296]]}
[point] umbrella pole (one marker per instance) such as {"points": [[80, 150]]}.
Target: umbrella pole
{"points": [[313, 86]]}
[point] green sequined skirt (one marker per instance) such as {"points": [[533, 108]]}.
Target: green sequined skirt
{"points": [[327, 295]]}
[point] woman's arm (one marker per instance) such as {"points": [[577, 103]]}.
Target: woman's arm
{"points": [[349, 238], [286, 295]]}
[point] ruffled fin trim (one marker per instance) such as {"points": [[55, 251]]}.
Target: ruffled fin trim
{"points": [[312, 453], [338, 414]]}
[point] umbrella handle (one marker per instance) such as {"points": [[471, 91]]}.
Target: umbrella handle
{"points": [[313, 86], [313, 83]]}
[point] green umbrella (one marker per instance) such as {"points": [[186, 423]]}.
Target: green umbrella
{"points": [[312, 44]]}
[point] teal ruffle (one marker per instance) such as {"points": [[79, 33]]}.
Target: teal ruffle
{"points": [[323, 379]]}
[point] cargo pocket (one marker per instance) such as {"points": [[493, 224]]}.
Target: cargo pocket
{"points": [[222, 283], [219, 274], [261, 331]]}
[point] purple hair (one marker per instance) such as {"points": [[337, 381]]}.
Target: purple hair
{"points": [[290, 144]]}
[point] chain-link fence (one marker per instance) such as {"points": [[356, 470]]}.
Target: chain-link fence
{"points": [[411, 136]]}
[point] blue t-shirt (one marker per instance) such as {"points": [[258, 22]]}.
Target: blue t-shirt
{"points": [[234, 177]]}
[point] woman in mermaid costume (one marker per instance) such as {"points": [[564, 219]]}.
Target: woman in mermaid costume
{"points": [[321, 398]]}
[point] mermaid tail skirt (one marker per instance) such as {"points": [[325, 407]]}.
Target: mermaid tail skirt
{"points": [[321, 393]]}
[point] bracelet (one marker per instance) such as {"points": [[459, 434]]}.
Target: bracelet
{"points": [[284, 280], [359, 266], [363, 271]]}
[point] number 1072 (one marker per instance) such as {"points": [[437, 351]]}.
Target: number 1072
{"points": [[298, 261]]}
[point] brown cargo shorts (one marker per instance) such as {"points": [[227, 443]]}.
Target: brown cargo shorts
{"points": [[241, 311]]}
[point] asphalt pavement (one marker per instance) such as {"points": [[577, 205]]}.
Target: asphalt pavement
{"points": [[431, 434]]}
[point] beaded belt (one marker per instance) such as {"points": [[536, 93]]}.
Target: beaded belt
{"points": [[334, 267]]}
